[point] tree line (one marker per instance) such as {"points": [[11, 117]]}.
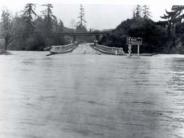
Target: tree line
{"points": [[30, 31], [166, 36]]}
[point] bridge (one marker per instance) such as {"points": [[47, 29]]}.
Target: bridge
{"points": [[96, 47], [75, 34], [84, 48]]}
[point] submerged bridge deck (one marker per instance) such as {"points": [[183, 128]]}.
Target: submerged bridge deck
{"points": [[95, 48], [83, 33]]}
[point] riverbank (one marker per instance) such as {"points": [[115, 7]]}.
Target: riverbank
{"points": [[3, 52]]}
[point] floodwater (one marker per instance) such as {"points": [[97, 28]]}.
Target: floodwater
{"points": [[91, 96]]}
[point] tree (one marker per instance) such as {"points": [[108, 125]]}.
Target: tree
{"points": [[81, 27], [146, 12], [134, 15], [49, 21], [6, 27], [59, 28], [81, 24], [179, 9], [28, 31], [81, 16], [29, 12], [49, 17], [154, 36], [173, 17], [137, 12]]}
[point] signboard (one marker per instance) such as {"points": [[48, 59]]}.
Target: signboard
{"points": [[134, 40]]}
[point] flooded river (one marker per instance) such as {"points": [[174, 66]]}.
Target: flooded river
{"points": [[91, 96]]}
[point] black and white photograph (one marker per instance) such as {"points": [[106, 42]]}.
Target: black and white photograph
{"points": [[91, 68]]}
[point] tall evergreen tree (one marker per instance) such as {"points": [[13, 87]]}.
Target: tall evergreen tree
{"points": [[146, 12], [28, 13], [179, 9], [81, 24], [49, 17], [173, 17], [138, 11], [6, 27]]}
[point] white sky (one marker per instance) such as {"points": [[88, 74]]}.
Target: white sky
{"points": [[100, 14]]}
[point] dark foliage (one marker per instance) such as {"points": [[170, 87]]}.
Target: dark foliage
{"points": [[32, 32], [154, 36]]}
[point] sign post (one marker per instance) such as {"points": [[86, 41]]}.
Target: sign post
{"points": [[138, 50], [131, 41], [129, 49]]}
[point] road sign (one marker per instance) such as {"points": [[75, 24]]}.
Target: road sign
{"points": [[134, 40]]}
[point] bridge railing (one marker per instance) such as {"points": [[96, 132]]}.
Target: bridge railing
{"points": [[109, 50], [63, 48]]}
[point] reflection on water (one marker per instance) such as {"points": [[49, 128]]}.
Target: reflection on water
{"points": [[91, 96]]}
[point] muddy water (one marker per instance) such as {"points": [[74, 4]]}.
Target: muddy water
{"points": [[91, 96]]}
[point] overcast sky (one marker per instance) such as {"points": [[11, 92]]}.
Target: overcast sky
{"points": [[99, 14]]}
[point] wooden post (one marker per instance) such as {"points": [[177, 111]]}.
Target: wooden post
{"points": [[3, 45], [74, 38], [95, 42], [97, 37], [138, 50], [129, 49]]}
